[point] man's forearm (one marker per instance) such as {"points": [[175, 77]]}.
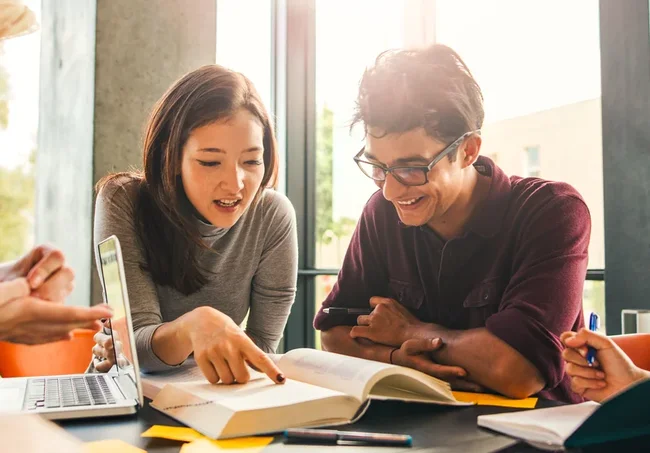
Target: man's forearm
{"points": [[489, 361], [337, 339]]}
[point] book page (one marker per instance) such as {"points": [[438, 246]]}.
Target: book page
{"points": [[342, 373], [188, 372], [411, 385], [260, 394], [553, 424]]}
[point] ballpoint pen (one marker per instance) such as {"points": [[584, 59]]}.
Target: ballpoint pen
{"points": [[347, 311], [594, 322], [332, 437]]}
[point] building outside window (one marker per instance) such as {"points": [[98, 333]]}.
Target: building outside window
{"points": [[532, 166]]}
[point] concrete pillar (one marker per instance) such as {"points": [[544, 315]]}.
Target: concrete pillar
{"points": [[103, 65], [64, 159]]}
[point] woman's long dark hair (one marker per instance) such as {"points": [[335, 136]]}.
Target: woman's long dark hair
{"points": [[170, 239]]}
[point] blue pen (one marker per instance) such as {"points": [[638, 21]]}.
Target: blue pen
{"points": [[594, 321]]}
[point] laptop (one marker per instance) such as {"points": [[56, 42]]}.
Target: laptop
{"points": [[117, 392]]}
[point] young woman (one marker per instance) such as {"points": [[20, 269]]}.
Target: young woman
{"points": [[205, 238]]}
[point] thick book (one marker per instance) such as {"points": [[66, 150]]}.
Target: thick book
{"points": [[623, 416], [321, 389]]}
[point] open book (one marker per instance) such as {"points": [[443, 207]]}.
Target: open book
{"points": [[622, 416], [322, 389]]}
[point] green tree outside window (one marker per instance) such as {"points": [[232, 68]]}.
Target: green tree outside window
{"points": [[16, 190]]}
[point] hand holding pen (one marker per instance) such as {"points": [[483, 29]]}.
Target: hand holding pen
{"points": [[596, 364]]}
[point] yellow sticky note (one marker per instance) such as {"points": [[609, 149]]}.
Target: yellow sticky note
{"points": [[173, 433], [110, 446], [200, 443], [486, 399], [240, 445], [247, 443]]}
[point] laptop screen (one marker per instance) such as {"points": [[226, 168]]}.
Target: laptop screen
{"points": [[114, 290]]}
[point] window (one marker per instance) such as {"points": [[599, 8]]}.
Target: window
{"points": [[494, 157], [245, 44], [531, 162], [244, 41], [542, 91], [345, 45], [19, 86]]}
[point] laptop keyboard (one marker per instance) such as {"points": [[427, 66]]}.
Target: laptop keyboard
{"points": [[90, 390]]}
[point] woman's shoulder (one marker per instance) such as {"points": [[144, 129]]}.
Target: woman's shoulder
{"points": [[118, 188], [276, 204], [272, 212]]}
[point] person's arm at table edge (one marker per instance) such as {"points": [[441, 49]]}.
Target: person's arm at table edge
{"points": [[337, 339], [489, 361]]}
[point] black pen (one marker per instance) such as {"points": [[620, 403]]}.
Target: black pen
{"points": [[332, 437], [347, 311]]}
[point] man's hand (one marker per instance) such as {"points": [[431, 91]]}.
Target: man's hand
{"points": [[415, 354], [390, 323], [611, 373], [28, 320], [105, 350], [45, 270]]}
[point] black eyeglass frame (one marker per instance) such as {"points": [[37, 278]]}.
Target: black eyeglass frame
{"points": [[425, 168]]}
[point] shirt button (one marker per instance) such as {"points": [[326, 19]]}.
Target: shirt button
{"points": [[486, 296]]}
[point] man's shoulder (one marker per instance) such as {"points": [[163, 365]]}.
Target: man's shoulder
{"points": [[378, 207], [535, 194]]}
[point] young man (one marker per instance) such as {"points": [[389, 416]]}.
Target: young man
{"points": [[472, 275]]}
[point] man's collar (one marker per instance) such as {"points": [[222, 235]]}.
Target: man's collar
{"points": [[488, 216]]}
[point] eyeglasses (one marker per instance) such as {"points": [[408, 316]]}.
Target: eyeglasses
{"points": [[414, 175]]}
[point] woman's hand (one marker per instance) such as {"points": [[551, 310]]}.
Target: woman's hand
{"points": [[612, 372], [222, 349]]}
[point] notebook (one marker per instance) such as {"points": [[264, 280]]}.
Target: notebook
{"points": [[321, 389], [623, 416]]}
